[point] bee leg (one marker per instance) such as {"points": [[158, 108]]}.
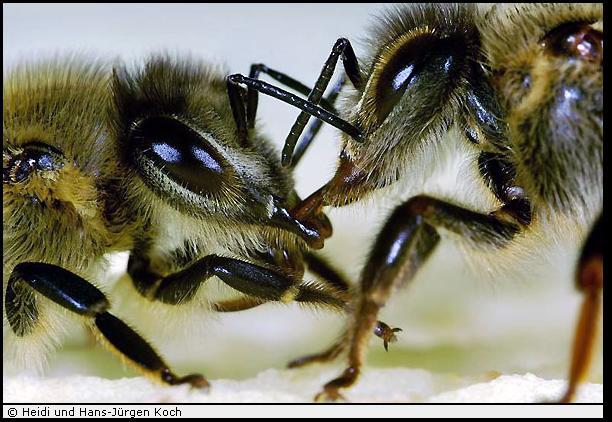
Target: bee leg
{"points": [[382, 330], [79, 296], [320, 267], [325, 271], [330, 275], [122, 339], [282, 259], [274, 257], [403, 245], [327, 355], [589, 277], [310, 106], [327, 274], [244, 109], [251, 279]]}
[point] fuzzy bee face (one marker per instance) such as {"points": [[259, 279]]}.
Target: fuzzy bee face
{"points": [[523, 82], [422, 74], [175, 130], [53, 151], [417, 52]]}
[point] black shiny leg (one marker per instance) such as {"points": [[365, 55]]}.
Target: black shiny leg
{"points": [[310, 106], [244, 104], [77, 295], [250, 279], [124, 340]]}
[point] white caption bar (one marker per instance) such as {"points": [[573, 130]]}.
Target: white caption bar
{"points": [[267, 411]]}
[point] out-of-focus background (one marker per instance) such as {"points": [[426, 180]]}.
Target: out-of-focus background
{"points": [[454, 319]]}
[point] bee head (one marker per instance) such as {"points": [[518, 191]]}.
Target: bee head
{"points": [[175, 131], [181, 154], [53, 154], [421, 63]]}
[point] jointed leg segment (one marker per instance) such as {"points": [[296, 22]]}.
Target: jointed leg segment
{"points": [[256, 281], [589, 277], [331, 276], [406, 241], [77, 295]]}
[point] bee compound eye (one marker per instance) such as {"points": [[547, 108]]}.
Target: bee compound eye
{"points": [[35, 157], [577, 40], [179, 152], [425, 57]]}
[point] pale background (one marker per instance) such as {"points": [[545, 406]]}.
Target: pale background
{"points": [[454, 320]]}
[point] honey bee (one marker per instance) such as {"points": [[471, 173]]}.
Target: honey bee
{"points": [[520, 88], [163, 160]]}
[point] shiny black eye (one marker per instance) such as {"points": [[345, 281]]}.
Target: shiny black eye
{"points": [[424, 57], [180, 153], [35, 157], [575, 39]]}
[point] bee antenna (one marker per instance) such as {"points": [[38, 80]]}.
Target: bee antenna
{"points": [[314, 127], [304, 105]]}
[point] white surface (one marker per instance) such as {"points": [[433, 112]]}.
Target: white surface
{"points": [[271, 386]]}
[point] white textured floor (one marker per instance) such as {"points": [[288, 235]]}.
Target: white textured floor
{"points": [[389, 385]]}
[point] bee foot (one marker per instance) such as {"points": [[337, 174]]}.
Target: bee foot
{"points": [[197, 381], [194, 380], [331, 390], [386, 333], [329, 395]]}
